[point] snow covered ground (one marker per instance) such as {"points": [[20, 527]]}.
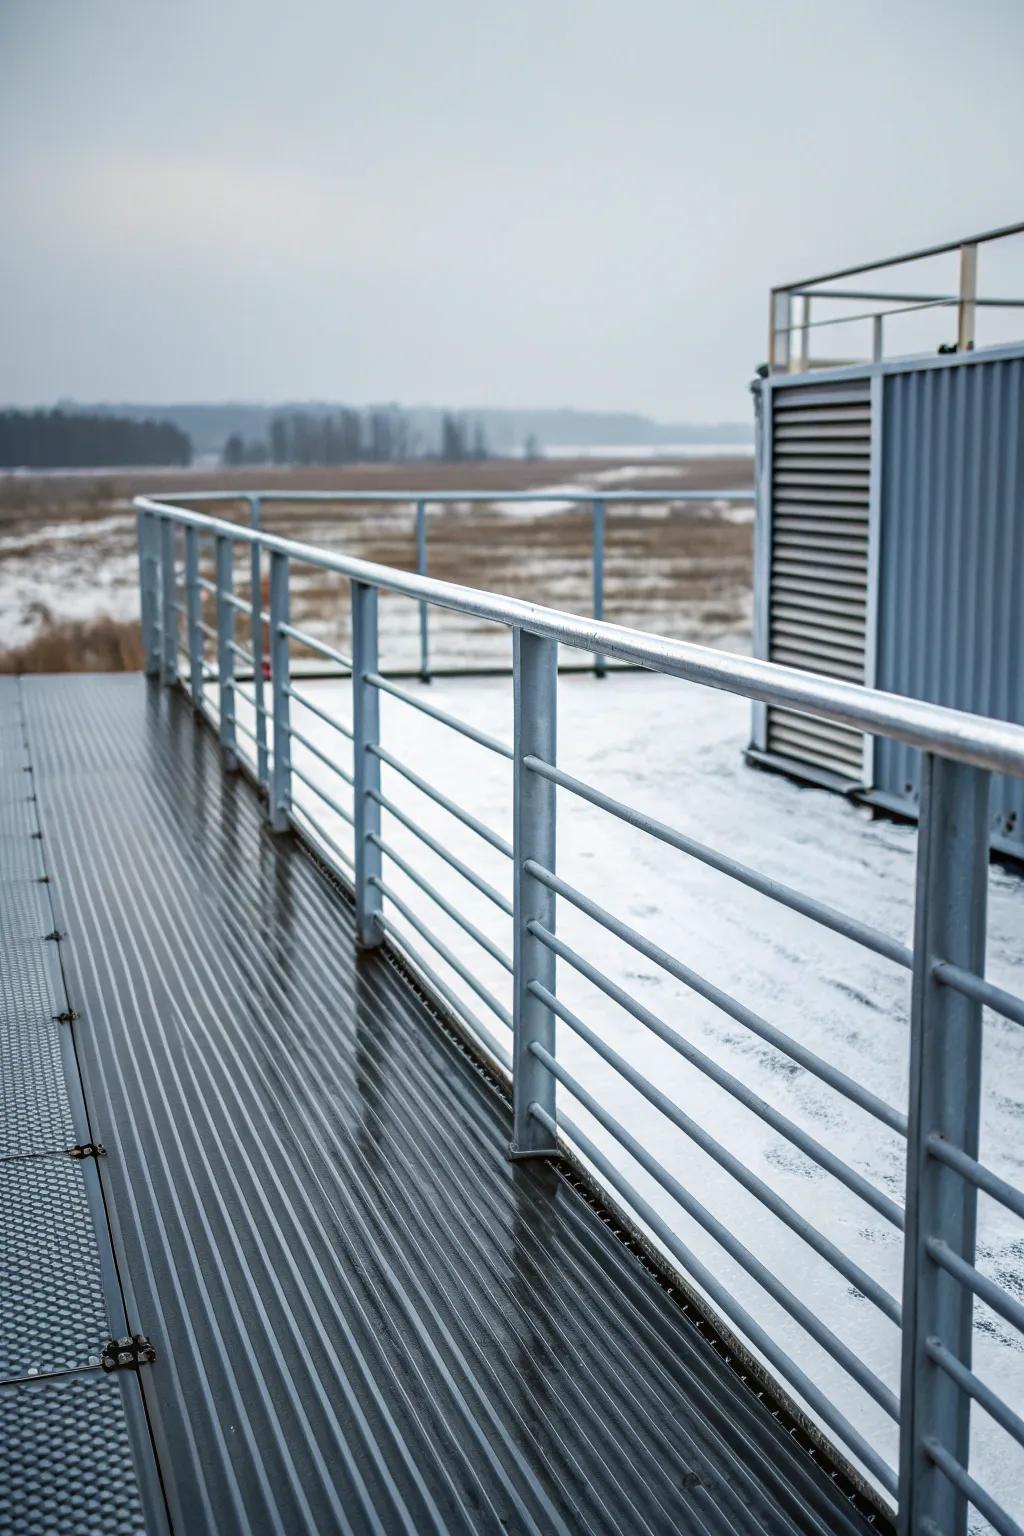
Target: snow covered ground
{"points": [[674, 750]]}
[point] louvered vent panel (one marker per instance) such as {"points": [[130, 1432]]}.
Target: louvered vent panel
{"points": [[821, 451]]}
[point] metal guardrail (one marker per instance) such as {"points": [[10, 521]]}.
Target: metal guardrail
{"points": [[783, 326], [934, 1314], [598, 502]]}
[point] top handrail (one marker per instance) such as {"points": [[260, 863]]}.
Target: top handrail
{"points": [[896, 261], [361, 498], [997, 745]]}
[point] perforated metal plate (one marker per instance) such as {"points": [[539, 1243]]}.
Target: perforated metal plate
{"points": [[25, 912], [17, 817], [66, 1466], [35, 1115], [53, 1316]]}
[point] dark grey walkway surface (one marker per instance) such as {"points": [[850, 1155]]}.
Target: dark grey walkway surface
{"points": [[366, 1318], [65, 1442]]}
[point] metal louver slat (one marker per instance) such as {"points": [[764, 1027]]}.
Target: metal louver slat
{"points": [[817, 613]]}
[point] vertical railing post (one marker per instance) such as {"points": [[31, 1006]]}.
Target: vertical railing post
{"points": [[169, 605], [967, 307], [944, 1101], [421, 566], [366, 733], [877, 338], [281, 771], [598, 520], [193, 616], [805, 336], [256, 640], [225, 655], [148, 535], [779, 334], [535, 684]]}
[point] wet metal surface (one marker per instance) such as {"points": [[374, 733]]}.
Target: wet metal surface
{"points": [[66, 1461], [366, 1318]]}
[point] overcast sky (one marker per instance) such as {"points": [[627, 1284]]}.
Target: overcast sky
{"points": [[472, 203]]}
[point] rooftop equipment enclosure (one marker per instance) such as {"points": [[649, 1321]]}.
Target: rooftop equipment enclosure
{"points": [[890, 536]]}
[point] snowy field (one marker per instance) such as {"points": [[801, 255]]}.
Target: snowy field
{"points": [[674, 750], [67, 543]]}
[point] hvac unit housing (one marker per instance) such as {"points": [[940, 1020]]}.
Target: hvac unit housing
{"points": [[890, 552]]}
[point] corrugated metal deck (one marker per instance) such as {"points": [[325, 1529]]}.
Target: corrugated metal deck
{"points": [[365, 1317]]}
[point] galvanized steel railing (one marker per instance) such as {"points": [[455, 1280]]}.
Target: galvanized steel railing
{"points": [[933, 1484], [422, 501], [789, 337]]}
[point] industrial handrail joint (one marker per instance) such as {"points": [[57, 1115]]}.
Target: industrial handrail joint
{"points": [[932, 1484]]}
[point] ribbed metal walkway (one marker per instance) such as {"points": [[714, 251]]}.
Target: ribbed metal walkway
{"points": [[365, 1317]]}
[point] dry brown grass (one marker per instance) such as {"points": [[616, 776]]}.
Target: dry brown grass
{"points": [[99, 645]]}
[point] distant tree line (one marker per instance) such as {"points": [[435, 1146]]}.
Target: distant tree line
{"points": [[382, 435], [66, 440]]}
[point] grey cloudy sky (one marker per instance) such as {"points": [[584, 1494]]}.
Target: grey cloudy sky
{"points": [[465, 202]]}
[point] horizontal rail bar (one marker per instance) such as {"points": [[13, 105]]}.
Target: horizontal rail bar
{"points": [[816, 1065], [237, 602], [851, 1271], [976, 1173], [241, 652], [849, 927], [240, 725], [779, 1122], [862, 294], [494, 950], [769, 1282], [470, 731], [458, 1006], [896, 261], [485, 994], [983, 1501], [250, 698], [976, 1388], [298, 809], [985, 743], [207, 630], [327, 799], [439, 498], [444, 853], [317, 645], [723, 1299], [328, 762], [985, 1289], [206, 584], [466, 817], [980, 990], [314, 709]]}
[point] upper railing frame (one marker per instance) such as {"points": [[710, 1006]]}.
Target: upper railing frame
{"points": [[783, 325], [976, 739], [933, 1484]]}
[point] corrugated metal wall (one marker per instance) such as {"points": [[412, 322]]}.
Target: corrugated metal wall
{"points": [[950, 614]]}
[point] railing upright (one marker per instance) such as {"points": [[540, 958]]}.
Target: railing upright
{"points": [[168, 604], [225, 654], [598, 520], [149, 591], [535, 685], [193, 616], [944, 1101], [256, 638], [421, 567], [366, 766], [281, 760]]}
